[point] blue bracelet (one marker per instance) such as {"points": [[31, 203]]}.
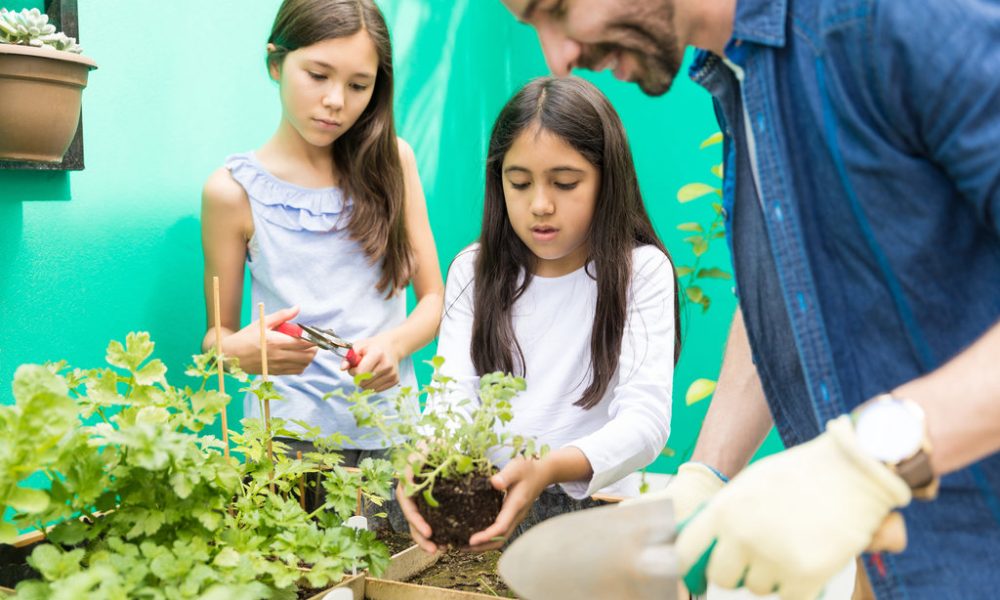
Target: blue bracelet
{"points": [[717, 472]]}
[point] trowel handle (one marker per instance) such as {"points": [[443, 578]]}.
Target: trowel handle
{"points": [[890, 536]]}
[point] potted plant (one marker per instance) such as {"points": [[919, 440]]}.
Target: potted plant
{"points": [[449, 450], [165, 512], [42, 76]]}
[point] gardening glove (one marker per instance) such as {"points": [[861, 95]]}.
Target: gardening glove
{"points": [[693, 485], [791, 521]]}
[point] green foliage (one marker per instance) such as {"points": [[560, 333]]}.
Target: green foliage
{"points": [[693, 277], [180, 519], [451, 439], [32, 28], [704, 234]]}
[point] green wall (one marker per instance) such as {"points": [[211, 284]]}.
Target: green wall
{"points": [[89, 256]]}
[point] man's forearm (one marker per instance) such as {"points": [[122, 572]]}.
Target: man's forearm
{"points": [[962, 403], [738, 418]]}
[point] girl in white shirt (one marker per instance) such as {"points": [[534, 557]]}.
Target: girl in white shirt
{"points": [[569, 287]]}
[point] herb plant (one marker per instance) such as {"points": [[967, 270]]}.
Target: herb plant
{"points": [[165, 513], [452, 439]]}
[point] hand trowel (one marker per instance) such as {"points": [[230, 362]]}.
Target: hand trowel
{"points": [[619, 551], [623, 552]]}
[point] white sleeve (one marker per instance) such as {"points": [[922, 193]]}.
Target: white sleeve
{"points": [[455, 339], [639, 409]]}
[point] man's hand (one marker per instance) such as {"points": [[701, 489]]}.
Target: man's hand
{"points": [[791, 521], [693, 485]]}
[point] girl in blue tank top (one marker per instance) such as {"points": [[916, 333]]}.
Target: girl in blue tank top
{"points": [[330, 217]]}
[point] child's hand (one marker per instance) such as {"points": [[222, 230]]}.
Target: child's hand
{"points": [[420, 531], [378, 357], [523, 479], [285, 355]]}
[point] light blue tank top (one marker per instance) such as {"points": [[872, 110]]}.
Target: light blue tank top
{"points": [[301, 253]]}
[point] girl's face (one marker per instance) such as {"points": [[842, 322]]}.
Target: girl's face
{"points": [[550, 190], [326, 86]]}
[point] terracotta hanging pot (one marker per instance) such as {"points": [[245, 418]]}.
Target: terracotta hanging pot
{"points": [[41, 90]]}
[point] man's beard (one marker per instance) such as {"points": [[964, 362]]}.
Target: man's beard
{"points": [[647, 34]]}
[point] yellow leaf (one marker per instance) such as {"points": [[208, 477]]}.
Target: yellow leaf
{"points": [[693, 191], [717, 170], [699, 390], [712, 140]]}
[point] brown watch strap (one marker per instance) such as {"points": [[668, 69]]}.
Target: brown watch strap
{"points": [[917, 472]]}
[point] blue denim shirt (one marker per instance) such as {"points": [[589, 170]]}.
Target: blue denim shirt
{"points": [[863, 211]]}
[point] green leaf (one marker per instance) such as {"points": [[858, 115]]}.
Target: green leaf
{"points": [[717, 170], [668, 451], [717, 208], [700, 247], [693, 191], [137, 348], [463, 464], [154, 372], [712, 140], [55, 564], [181, 484], [8, 533], [429, 499], [699, 390], [28, 500], [694, 293], [32, 380], [713, 273], [690, 227], [227, 557], [682, 271]]}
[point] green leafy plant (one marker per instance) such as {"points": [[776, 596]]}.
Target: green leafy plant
{"points": [[694, 276], [165, 513], [32, 28], [703, 234], [451, 440]]}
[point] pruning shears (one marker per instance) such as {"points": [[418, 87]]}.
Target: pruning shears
{"points": [[324, 338]]}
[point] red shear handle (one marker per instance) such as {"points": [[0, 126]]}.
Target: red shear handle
{"points": [[352, 358], [289, 328]]}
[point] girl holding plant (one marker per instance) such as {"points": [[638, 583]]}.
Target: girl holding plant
{"points": [[570, 287], [329, 216]]}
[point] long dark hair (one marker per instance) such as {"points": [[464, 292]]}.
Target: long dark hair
{"points": [[367, 155], [578, 113]]}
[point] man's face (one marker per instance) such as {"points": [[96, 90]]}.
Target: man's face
{"points": [[635, 39]]}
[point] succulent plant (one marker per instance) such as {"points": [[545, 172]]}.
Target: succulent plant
{"points": [[32, 28]]}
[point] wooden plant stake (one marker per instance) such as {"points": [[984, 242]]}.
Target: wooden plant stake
{"points": [[267, 402], [218, 362], [302, 484]]}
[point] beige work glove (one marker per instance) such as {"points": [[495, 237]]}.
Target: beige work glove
{"points": [[693, 485], [791, 521]]}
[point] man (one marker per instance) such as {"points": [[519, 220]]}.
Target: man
{"points": [[862, 192]]}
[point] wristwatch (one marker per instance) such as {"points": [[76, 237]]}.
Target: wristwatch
{"points": [[894, 431]]}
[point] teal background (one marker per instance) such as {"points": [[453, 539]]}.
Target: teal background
{"points": [[86, 257]]}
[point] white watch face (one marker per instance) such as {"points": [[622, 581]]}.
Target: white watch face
{"points": [[890, 431]]}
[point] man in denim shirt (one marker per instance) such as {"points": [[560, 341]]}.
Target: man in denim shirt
{"points": [[862, 192]]}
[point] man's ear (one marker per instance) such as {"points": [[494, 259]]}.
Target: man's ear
{"points": [[273, 66]]}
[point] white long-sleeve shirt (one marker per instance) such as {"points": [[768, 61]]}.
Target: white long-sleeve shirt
{"points": [[552, 320]]}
